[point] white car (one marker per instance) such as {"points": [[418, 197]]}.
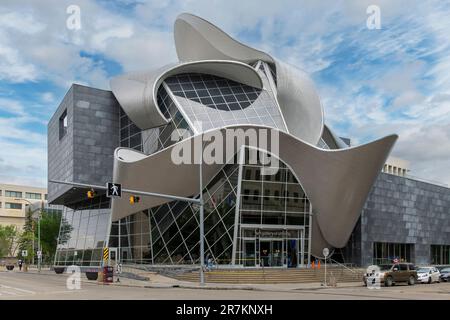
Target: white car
{"points": [[428, 275]]}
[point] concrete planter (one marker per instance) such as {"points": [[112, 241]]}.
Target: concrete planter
{"points": [[92, 275], [59, 270]]}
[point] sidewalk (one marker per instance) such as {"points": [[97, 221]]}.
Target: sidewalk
{"points": [[159, 281]]}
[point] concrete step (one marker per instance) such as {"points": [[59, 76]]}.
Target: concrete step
{"points": [[274, 275]]}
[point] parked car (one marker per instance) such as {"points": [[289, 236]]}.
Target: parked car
{"points": [[391, 274], [428, 275], [445, 274]]}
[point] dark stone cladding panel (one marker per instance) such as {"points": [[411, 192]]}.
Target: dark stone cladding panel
{"points": [[403, 210], [60, 152], [85, 155]]}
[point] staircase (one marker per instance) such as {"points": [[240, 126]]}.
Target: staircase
{"points": [[273, 275]]}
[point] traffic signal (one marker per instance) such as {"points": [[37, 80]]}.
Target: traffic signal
{"points": [[134, 199], [91, 194]]}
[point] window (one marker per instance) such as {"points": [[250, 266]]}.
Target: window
{"points": [[9, 205], [386, 253], [246, 193], [257, 175], [32, 195], [46, 196], [440, 254], [13, 194], [63, 124], [0, 204], [0, 193]]}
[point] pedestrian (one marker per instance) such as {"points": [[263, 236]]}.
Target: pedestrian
{"points": [[20, 262]]}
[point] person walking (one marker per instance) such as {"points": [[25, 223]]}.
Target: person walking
{"points": [[20, 262]]}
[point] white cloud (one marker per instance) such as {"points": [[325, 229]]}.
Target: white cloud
{"points": [[402, 69], [47, 97]]}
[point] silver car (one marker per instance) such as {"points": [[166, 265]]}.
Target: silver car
{"points": [[428, 275]]}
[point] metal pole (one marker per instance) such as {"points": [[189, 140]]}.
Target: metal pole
{"points": [[202, 243], [34, 240], [39, 242], [39, 236], [119, 253], [325, 271]]}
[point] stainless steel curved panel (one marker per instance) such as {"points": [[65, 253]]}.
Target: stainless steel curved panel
{"points": [[137, 92], [300, 103], [198, 39], [337, 182]]}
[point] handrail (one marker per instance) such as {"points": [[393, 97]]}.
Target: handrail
{"points": [[340, 264]]}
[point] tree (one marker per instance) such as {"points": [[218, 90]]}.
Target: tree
{"points": [[26, 238], [50, 224], [9, 240]]}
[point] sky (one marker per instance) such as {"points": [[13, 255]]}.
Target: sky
{"points": [[372, 81]]}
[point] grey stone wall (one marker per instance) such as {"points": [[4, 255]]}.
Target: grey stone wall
{"points": [[403, 210], [85, 154], [60, 152]]}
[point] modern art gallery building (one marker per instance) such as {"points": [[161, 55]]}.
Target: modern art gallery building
{"points": [[274, 203]]}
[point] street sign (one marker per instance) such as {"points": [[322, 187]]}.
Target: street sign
{"points": [[326, 252], [39, 254], [24, 253], [113, 190]]}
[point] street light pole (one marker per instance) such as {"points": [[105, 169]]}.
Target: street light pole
{"points": [[39, 230], [202, 231], [39, 237]]}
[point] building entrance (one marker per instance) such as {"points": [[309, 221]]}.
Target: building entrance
{"points": [[271, 253], [273, 248]]}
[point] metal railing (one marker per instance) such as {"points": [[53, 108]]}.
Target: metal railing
{"points": [[343, 265]]}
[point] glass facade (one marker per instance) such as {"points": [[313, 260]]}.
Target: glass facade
{"points": [[161, 138], [130, 134], [322, 144], [440, 254], [227, 102], [169, 234], [82, 233], [278, 222], [385, 253], [274, 218]]}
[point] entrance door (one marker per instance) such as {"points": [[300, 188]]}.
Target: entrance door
{"points": [[271, 253], [277, 253], [264, 253], [249, 253]]}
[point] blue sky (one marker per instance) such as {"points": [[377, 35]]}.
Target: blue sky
{"points": [[371, 82]]}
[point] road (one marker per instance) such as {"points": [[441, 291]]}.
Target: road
{"points": [[25, 286]]}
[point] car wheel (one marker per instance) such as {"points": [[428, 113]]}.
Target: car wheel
{"points": [[411, 280], [429, 280], [388, 282]]}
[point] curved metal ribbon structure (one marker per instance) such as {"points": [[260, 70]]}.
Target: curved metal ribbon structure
{"points": [[336, 181]]}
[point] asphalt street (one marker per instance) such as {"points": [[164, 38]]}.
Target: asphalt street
{"points": [[24, 286]]}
